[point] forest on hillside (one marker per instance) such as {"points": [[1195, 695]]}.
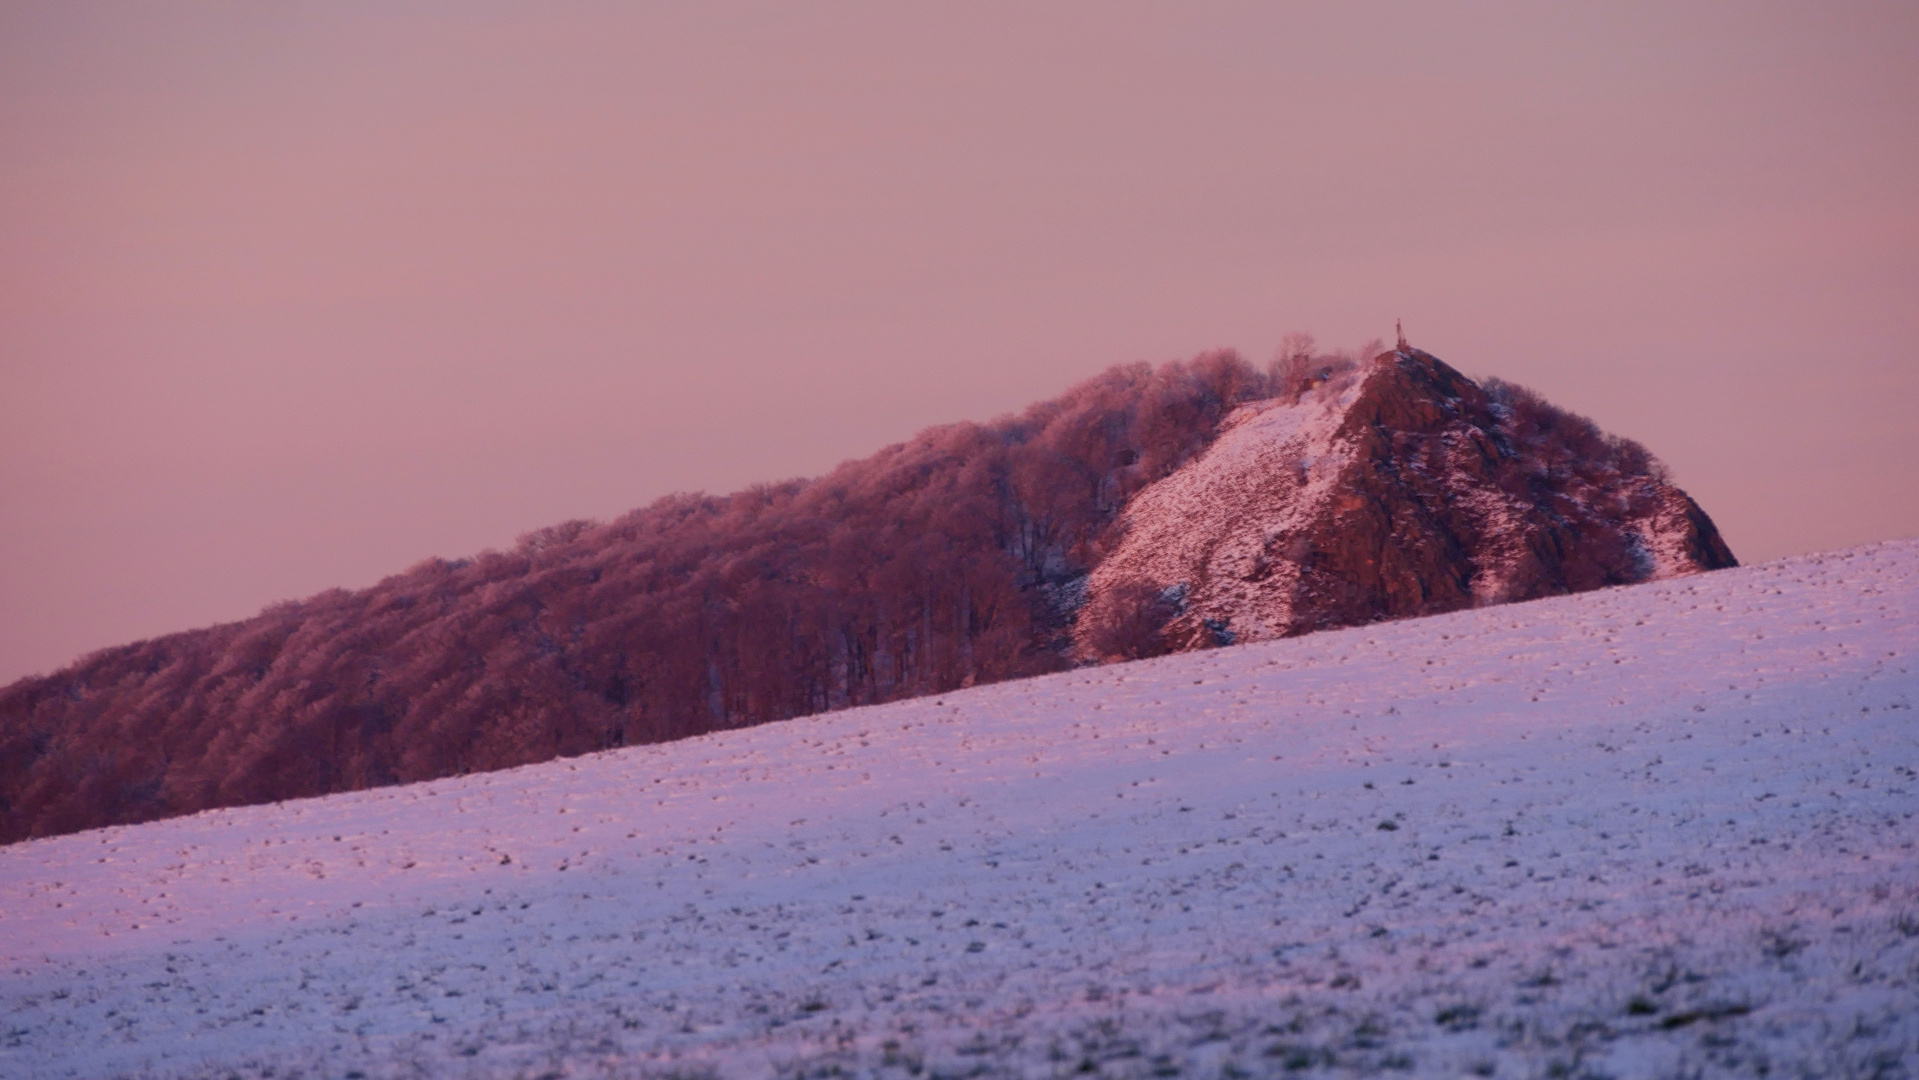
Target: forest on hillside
{"points": [[952, 559]]}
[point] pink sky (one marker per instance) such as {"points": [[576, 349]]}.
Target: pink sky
{"points": [[295, 295]]}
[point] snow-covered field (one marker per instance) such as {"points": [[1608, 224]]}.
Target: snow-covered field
{"points": [[1664, 830]]}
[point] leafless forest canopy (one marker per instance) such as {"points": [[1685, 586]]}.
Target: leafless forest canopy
{"points": [[951, 559]]}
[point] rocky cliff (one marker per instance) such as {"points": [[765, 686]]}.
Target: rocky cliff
{"points": [[1387, 489]]}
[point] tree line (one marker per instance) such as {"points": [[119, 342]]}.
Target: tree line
{"points": [[955, 558], [937, 563]]}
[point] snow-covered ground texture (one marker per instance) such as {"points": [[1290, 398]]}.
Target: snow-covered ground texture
{"points": [[1665, 830]]}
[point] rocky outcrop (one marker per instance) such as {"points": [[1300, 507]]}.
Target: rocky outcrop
{"points": [[1394, 488]]}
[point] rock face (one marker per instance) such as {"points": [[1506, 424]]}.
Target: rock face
{"points": [[1394, 488]]}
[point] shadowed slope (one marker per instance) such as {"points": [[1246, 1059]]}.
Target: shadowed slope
{"points": [[1657, 831]]}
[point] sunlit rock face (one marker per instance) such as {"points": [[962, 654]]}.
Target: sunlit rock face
{"points": [[1394, 488]]}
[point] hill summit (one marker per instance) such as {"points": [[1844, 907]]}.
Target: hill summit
{"points": [[1146, 510], [1379, 490]]}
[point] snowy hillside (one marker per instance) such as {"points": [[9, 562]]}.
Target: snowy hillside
{"points": [[1658, 830]]}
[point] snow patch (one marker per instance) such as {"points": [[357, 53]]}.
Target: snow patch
{"points": [[1211, 520]]}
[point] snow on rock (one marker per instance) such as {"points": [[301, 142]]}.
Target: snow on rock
{"points": [[1397, 489], [1214, 522], [1658, 830]]}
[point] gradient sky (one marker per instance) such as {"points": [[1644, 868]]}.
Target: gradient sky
{"points": [[295, 295]]}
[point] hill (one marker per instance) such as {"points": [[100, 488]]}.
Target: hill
{"points": [[1094, 526], [1374, 491], [1662, 830]]}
